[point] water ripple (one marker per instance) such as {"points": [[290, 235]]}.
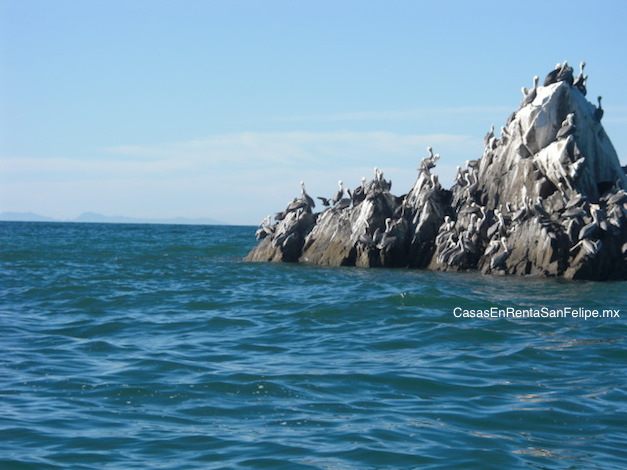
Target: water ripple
{"points": [[132, 347]]}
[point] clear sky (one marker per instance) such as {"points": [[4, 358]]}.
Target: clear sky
{"points": [[207, 108]]}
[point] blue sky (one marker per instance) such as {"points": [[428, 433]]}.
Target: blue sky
{"points": [[149, 108]]}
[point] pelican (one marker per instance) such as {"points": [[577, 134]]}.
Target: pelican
{"points": [[590, 247], [614, 218], [472, 163], [589, 229], [618, 197], [386, 242], [456, 257], [489, 136], [359, 194], [568, 127], [531, 95], [391, 228], [574, 212], [378, 174], [264, 228], [580, 81], [265, 221], [498, 260], [452, 254], [366, 239], [565, 74], [306, 197], [576, 167], [598, 113], [340, 192], [552, 75], [429, 162], [325, 201], [577, 200], [295, 205], [493, 247], [343, 203]]}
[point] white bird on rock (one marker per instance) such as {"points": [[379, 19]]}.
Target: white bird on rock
{"points": [[340, 192]]}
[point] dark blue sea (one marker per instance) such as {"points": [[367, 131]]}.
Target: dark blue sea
{"points": [[157, 347]]}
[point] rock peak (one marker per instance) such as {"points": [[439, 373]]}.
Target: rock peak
{"points": [[547, 197]]}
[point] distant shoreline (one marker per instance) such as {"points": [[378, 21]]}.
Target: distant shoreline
{"points": [[90, 217]]}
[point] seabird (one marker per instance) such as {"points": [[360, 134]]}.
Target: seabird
{"points": [[378, 174], [386, 242], [577, 200], [265, 221], [306, 197], [264, 228], [340, 192], [576, 166], [472, 163], [343, 203], [589, 229], [453, 254], [359, 194], [429, 162], [325, 201], [580, 81], [598, 112], [499, 259], [614, 218], [618, 197], [574, 212], [288, 239], [602, 220], [520, 213], [552, 75], [568, 127], [489, 136], [493, 247], [264, 231], [457, 255], [565, 74], [365, 238], [296, 204], [531, 95], [590, 247], [472, 208], [380, 181], [492, 229]]}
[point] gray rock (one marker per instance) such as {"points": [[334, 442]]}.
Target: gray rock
{"points": [[546, 198]]}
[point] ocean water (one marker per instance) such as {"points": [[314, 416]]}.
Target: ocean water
{"points": [[156, 347]]}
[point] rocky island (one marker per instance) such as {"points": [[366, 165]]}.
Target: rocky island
{"points": [[546, 198]]}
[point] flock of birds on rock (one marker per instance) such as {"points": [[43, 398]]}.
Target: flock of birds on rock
{"points": [[576, 224], [305, 203], [478, 233], [469, 234]]}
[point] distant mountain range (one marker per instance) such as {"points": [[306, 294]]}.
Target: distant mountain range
{"points": [[99, 218]]}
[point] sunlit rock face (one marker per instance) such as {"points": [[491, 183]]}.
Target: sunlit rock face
{"points": [[546, 198]]}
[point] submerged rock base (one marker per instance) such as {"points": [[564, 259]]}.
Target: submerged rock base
{"points": [[546, 198]]}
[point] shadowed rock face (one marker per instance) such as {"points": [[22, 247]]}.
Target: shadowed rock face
{"points": [[546, 198]]}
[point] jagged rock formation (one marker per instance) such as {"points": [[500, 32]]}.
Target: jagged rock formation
{"points": [[546, 198]]}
